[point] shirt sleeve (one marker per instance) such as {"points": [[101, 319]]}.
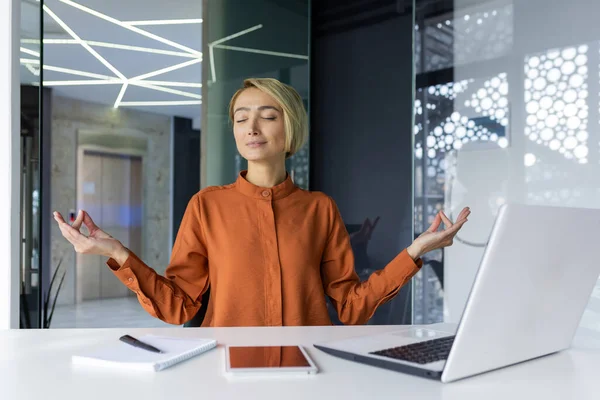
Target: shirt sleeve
{"points": [[354, 300], [174, 298]]}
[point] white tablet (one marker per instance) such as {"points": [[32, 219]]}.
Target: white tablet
{"points": [[268, 360]]}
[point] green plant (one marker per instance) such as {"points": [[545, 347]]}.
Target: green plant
{"points": [[48, 317]]}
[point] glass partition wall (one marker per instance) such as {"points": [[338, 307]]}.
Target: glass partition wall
{"points": [[506, 110], [34, 171], [259, 38], [121, 95]]}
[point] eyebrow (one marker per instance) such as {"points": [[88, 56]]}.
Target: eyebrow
{"points": [[261, 108]]}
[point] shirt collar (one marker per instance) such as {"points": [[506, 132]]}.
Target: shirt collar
{"points": [[264, 193]]}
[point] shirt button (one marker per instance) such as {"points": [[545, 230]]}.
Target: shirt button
{"points": [[130, 279], [266, 193]]}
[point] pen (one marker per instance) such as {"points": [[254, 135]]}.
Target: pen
{"points": [[136, 343]]}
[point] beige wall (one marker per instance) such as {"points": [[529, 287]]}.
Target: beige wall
{"points": [[71, 117]]}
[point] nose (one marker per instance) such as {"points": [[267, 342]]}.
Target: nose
{"points": [[253, 128]]}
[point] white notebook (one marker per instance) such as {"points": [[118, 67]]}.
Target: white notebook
{"points": [[122, 355]]}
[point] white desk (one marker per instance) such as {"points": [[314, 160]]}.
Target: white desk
{"points": [[36, 364]]}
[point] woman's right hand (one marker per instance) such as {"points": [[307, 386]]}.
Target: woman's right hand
{"points": [[98, 242]]}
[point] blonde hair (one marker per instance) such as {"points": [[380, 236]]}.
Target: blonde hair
{"points": [[294, 115]]}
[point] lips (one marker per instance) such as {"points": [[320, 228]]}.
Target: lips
{"points": [[255, 144]]}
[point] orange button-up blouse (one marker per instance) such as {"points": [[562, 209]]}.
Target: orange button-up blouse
{"points": [[270, 255]]}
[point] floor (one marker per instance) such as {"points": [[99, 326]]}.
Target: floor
{"points": [[108, 313]]}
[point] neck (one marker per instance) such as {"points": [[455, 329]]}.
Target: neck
{"points": [[266, 174]]}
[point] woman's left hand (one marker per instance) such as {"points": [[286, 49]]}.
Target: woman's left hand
{"points": [[431, 239]]}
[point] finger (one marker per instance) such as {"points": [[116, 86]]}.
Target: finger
{"points": [[453, 230], [65, 229], [463, 213], [89, 222], [435, 224], [69, 232], [78, 221], [76, 238], [447, 222], [446, 237], [462, 217], [58, 217]]}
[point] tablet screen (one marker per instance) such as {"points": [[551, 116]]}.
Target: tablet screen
{"points": [[267, 357]]}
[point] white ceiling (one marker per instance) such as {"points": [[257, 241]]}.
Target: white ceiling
{"points": [[182, 42]]}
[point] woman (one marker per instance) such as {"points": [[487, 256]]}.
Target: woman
{"points": [[270, 251]]}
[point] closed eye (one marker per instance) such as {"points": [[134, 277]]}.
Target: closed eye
{"points": [[241, 120]]}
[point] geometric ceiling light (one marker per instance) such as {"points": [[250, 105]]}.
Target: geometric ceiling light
{"points": [[122, 47], [85, 45], [160, 103], [218, 44], [91, 51], [33, 70], [130, 27], [174, 84], [26, 61], [89, 82], [164, 89], [140, 80], [95, 82], [165, 70], [164, 22], [211, 45], [259, 51], [30, 52], [102, 79], [121, 94]]}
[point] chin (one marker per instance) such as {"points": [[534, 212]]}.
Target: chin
{"points": [[259, 157], [252, 156]]}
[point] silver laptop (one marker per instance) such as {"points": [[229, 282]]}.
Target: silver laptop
{"points": [[534, 281]]}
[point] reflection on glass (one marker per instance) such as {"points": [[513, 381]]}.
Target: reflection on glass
{"points": [[260, 38], [556, 90], [515, 120], [561, 155], [267, 357], [475, 34], [125, 88], [450, 117]]}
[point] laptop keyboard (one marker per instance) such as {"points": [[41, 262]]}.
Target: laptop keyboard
{"points": [[421, 352]]}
